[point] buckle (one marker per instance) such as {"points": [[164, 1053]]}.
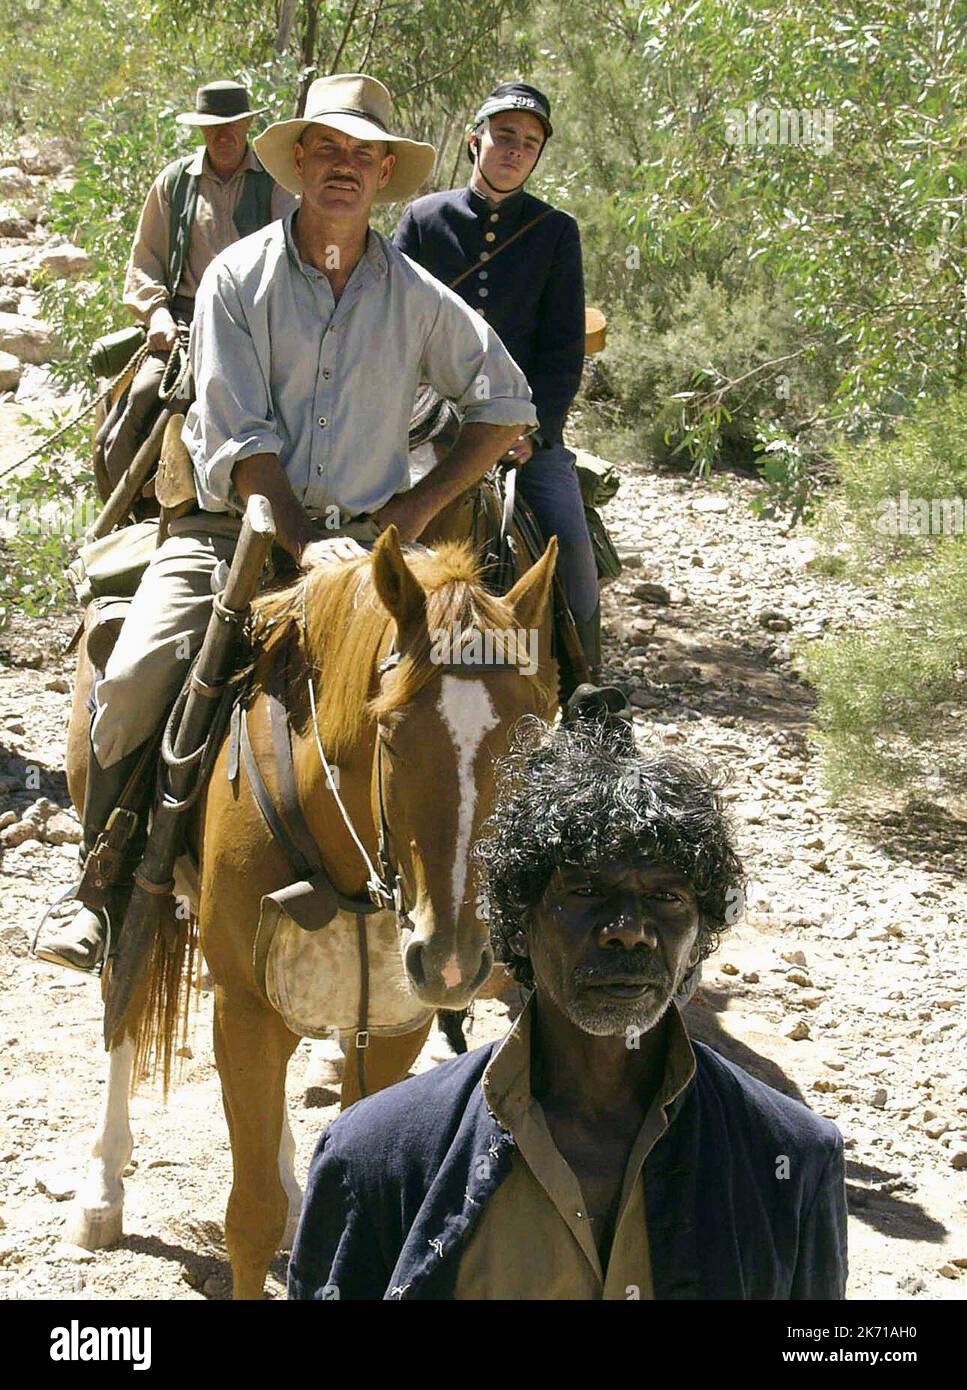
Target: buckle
{"points": [[362, 1038]]}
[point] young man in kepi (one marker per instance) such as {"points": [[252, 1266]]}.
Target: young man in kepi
{"points": [[595, 1152], [198, 205], [308, 342], [517, 261]]}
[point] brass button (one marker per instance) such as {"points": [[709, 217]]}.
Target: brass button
{"points": [[483, 292], [323, 422], [494, 217], [490, 236], [485, 255], [482, 274]]}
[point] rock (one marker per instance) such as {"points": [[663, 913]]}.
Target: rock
{"points": [[911, 1283], [52, 157], [14, 183], [8, 818], [958, 1157], [185, 1052], [713, 502], [674, 673], [60, 1186], [935, 1126], [750, 977], [795, 1028], [949, 1271], [75, 1253], [19, 834], [211, 1287], [773, 620], [13, 224], [10, 371], [959, 1260], [62, 829], [878, 1098], [798, 977], [9, 301], [793, 958], [61, 262], [59, 683], [30, 339], [16, 940], [652, 593], [727, 968]]}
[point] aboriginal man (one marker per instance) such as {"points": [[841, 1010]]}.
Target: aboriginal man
{"points": [[595, 1152]]}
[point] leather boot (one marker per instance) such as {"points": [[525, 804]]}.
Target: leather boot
{"points": [[78, 940]]}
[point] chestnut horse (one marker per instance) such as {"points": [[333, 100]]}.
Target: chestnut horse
{"points": [[439, 731]]}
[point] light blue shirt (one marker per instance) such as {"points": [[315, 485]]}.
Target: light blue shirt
{"points": [[280, 368]]}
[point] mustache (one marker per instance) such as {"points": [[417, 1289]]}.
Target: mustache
{"points": [[636, 969], [343, 178]]}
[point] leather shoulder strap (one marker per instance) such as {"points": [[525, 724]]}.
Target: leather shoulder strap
{"points": [[492, 255]]}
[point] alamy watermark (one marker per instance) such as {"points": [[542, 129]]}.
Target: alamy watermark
{"points": [[780, 125], [512, 646], [919, 516]]}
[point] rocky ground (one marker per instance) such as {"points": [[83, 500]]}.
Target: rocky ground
{"points": [[842, 986]]}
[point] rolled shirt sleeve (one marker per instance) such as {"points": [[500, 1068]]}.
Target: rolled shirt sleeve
{"points": [[465, 361], [232, 416], [145, 287]]}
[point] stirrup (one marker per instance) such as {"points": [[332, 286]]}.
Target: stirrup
{"points": [[103, 914]]}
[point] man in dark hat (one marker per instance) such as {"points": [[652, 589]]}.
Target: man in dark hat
{"points": [[532, 294], [197, 206]]}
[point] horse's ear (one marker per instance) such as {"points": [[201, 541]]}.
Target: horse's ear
{"points": [[399, 590], [529, 597]]}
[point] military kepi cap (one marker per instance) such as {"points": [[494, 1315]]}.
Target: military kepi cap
{"points": [[218, 103], [517, 96]]}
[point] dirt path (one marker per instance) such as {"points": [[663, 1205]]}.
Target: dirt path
{"points": [[843, 986]]}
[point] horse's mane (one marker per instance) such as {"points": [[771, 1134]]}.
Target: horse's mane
{"points": [[346, 630]]}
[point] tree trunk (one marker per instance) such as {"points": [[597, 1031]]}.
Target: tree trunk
{"points": [[283, 33], [309, 30]]}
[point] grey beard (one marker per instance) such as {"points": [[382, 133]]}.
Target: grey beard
{"points": [[614, 1016]]}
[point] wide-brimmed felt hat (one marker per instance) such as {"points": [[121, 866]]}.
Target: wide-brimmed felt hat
{"points": [[359, 106], [217, 103]]}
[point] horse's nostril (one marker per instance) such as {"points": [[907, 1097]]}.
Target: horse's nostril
{"points": [[413, 963]]}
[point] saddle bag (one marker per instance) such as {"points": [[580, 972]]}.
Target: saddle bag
{"points": [[112, 566], [323, 968]]}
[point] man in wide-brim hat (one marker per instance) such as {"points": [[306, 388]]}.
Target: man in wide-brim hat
{"points": [[308, 342], [198, 205]]}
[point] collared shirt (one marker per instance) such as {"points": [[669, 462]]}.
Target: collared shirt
{"points": [[281, 368], [211, 231], [535, 1239], [531, 293]]}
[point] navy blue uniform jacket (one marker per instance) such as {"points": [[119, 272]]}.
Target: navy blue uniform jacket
{"points": [[532, 294], [745, 1193]]}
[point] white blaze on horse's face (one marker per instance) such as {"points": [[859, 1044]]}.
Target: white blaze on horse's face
{"points": [[469, 715]]}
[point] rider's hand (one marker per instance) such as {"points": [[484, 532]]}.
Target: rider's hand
{"points": [[162, 330], [332, 551], [519, 452]]}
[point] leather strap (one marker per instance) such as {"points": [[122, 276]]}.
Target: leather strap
{"points": [[491, 256]]}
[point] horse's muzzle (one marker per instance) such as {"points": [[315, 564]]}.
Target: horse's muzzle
{"points": [[444, 982]]}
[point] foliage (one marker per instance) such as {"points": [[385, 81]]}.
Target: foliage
{"points": [[892, 701]]}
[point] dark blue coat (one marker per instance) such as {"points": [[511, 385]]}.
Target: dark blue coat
{"points": [[745, 1193], [532, 294]]}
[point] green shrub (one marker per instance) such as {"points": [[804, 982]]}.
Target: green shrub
{"points": [[892, 701]]}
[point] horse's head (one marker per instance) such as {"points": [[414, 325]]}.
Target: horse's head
{"points": [[467, 671]]}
